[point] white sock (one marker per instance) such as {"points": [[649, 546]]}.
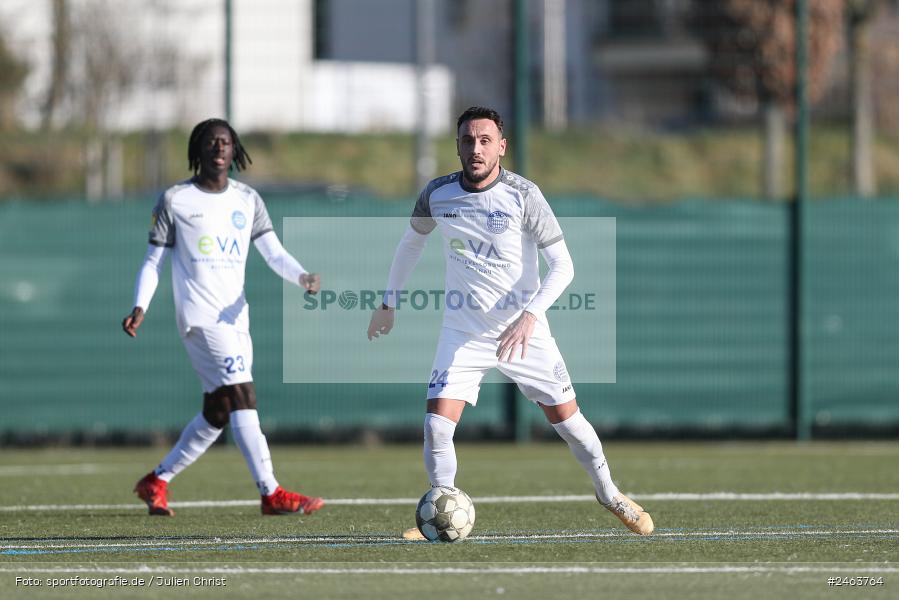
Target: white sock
{"points": [[587, 449], [254, 446], [440, 453], [194, 441]]}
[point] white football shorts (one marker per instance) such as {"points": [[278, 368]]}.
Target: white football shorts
{"points": [[463, 359], [220, 355]]}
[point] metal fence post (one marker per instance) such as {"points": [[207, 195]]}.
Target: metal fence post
{"points": [[799, 410], [229, 38], [522, 87]]}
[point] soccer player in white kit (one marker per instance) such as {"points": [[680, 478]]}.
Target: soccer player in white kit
{"points": [[493, 223], [207, 223]]}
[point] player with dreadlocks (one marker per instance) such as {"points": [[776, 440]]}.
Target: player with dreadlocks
{"points": [[241, 156], [207, 223]]}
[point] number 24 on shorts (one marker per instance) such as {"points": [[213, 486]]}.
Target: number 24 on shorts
{"points": [[437, 378], [231, 361]]}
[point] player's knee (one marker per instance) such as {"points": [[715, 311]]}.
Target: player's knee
{"points": [[218, 405], [243, 396], [438, 430], [560, 412], [217, 408]]}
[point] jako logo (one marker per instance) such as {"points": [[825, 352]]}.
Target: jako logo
{"points": [[226, 245], [476, 247]]}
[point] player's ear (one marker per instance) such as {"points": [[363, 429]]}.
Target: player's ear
{"points": [[502, 147]]}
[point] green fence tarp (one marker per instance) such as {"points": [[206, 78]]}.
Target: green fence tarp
{"points": [[701, 322]]}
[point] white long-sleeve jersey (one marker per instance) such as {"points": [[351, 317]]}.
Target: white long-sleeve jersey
{"points": [[491, 239], [209, 235]]}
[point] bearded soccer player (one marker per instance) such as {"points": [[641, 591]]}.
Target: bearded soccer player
{"points": [[207, 223], [493, 223]]}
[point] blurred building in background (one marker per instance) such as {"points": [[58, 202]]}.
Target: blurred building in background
{"points": [[350, 65], [101, 69], [161, 64]]}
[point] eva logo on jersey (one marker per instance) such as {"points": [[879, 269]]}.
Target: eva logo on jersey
{"points": [[477, 247], [226, 246]]}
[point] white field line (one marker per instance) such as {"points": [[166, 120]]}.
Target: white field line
{"points": [[869, 570], [697, 497], [363, 538]]}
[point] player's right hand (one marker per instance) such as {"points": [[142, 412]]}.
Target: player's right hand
{"points": [[381, 322], [133, 321], [311, 282]]}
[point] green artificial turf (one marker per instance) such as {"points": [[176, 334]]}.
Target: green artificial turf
{"points": [[703, 547]]}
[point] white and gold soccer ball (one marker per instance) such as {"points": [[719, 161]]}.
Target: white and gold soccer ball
{"points": [[445, 514]]}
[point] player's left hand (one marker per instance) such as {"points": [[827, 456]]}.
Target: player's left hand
{"points": [[133, 321], [311, 282], [518, 333], [381, 322]]}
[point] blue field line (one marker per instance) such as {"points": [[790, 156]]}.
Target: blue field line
{"points": [[118, 550], [223, 548], [710, 537], [669, 535], [478, 542], [746, 529]]}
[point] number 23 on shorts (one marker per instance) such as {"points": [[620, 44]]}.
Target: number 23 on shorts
{"points": [[231, 362]]}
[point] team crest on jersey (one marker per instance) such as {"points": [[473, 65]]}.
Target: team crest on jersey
{"points": [[561, 372], [238, 219], [497, 221]]}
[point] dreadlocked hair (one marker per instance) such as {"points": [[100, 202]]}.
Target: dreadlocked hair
{"points": [[241, 156]]}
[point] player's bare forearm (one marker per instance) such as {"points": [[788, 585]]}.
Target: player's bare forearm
{"points": [[133, 321]]}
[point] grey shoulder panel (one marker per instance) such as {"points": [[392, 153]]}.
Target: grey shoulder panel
{"points": [[422, 221], [170, 193], [443, 180], [550, 242], [162, 226], [538, 218], [525, 187], [242, 187], [262, 222]]}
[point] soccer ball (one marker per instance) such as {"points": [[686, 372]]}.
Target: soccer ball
{"points": [[445, 514]]}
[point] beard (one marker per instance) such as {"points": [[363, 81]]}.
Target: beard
{"points": [[477, 177]]}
